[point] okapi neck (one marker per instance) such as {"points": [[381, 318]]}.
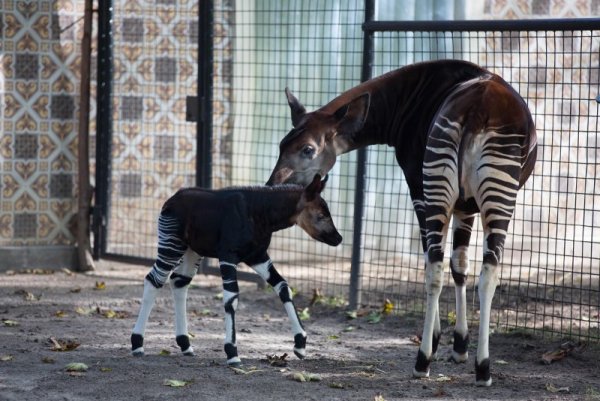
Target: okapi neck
{"points": [[280, 208]]}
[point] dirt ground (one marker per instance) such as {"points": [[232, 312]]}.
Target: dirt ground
{"points": [[347, 359]]}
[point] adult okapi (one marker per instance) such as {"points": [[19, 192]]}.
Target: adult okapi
{"points": [[466, 142]]}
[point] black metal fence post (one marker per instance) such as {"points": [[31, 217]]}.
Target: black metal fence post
{"points": [[103, 126], [205, 86], [361, 160]]}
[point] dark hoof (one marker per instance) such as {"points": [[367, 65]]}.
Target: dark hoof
{"points": [[234, 362], [184, 344], [300, 353], [482, 373], [138, 352], [422, 365], [137, 344], [459, 358]]}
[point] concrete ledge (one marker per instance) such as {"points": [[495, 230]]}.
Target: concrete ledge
{"points": [[38, 257]]}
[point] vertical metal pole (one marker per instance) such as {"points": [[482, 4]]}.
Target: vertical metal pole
{"points": [[83, 157], [361, 160], [103, 126], [205, 86]]}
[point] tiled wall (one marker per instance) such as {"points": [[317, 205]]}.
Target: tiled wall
{"points": [[525, 9], [39, 86]]}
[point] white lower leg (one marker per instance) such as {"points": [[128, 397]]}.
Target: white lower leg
{"points": [[487, 286], [181, 324], [230, 300], [148, 299], [433, 282], [461, 329]]}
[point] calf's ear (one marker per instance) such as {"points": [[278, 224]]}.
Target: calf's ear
{"points": [[313, 189], [297, 109]]}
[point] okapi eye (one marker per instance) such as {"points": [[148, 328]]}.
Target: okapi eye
{"points": [[308, 151]]}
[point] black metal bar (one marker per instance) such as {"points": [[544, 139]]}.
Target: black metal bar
{"points": [[103, 126], [484, 25], [205, 80], [355, 290]]}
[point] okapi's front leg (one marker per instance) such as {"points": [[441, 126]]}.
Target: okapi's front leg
{"points": [[180, 282], [271, 276], [230, 302]]}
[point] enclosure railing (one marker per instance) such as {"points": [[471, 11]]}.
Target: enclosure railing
{"points": [[550, 281], [550, 276]]}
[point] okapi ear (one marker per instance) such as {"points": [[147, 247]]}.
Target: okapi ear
{"points": [[314, 188], [351, 117], [297, 109]]}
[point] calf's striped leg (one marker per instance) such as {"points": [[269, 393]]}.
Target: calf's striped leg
{"points": [[180, 282], [459, 265], [272, 277], [170, 251], [230, 302]]}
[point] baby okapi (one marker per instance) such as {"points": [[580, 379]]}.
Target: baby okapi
{"points": [[234, 225]]}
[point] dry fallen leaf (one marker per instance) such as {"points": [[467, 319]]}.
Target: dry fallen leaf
{"points": [[83, 311], [305, 377], [63, 345], [561, 352], [6, 358], [75, 290], [242, 371], [10, 323], [60, 313], [76, 367], [47, 359], [27, 296], [415, 339], [100, 285], [164, 352], [112, 314], [279, 361], [317, 297], [105, 369], [175, 383], [553, 389], [388, 307]]}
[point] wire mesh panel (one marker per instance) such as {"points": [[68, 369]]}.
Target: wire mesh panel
{"points": [[153, 147], [550, 274], [315, 49]]}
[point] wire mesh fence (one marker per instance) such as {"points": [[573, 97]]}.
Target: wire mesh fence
{"points": [[550, 281], [550, 275]]}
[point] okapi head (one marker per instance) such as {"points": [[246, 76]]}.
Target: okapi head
{"points": [[312, 146], [314, 216]]}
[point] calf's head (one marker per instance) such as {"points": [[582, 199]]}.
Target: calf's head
{"points": [[313, 215], [317, 138]]}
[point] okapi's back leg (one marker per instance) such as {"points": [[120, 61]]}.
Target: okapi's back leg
{"points": [[231, 292], [496, 182], [459, 266], [440, 189], [171, 248], [274, 279], [180, 282]]}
